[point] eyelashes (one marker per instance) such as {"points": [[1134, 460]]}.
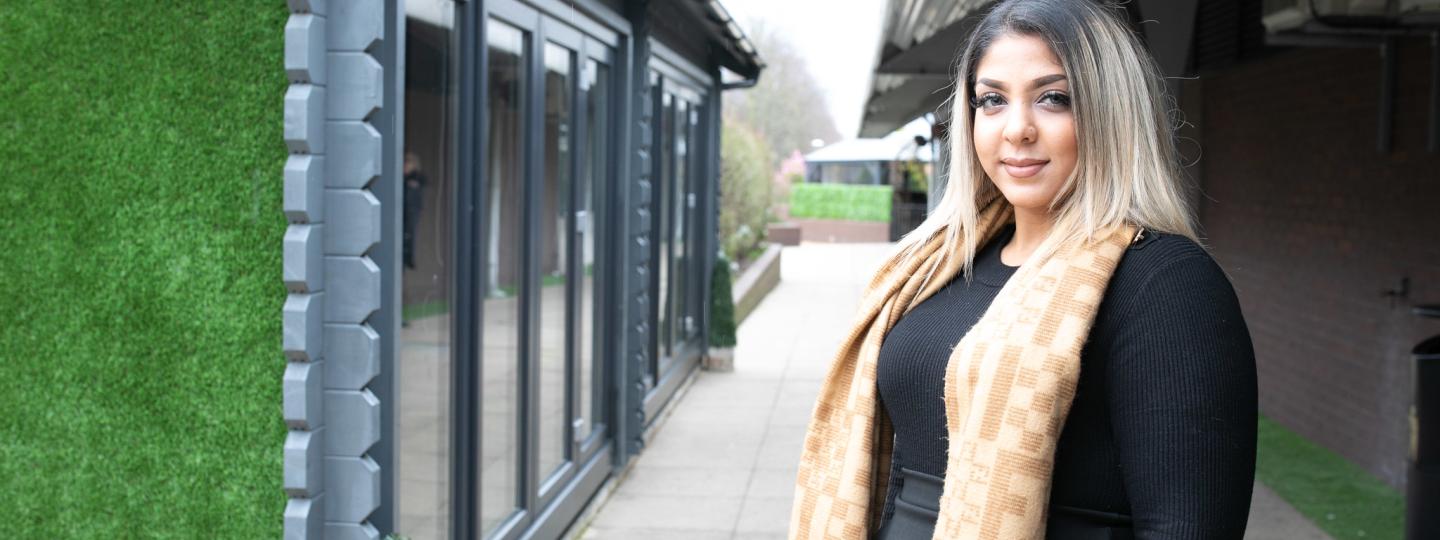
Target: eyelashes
{"points": [[988, 100], [991, 100], [1056, 97]]}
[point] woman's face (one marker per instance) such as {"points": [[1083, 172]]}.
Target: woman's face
{"points": [[1024, 128]]}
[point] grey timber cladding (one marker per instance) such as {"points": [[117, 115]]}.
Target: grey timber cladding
{"points": [[336, 86], [637, 351]]}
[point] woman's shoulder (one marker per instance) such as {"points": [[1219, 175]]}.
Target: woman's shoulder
{"points": [[1168, 294], [1159, 253], [1169, 267]]}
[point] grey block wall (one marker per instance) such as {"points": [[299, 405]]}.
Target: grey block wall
{"points": [[336, 87]]}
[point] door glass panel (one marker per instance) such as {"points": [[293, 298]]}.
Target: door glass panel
{"points": [[652, 369], [679, 247], [664, 188], [503, 179], [589, 221], [423, 368], [555, 230], [693, 183]]}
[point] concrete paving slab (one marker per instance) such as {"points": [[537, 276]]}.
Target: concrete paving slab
{"points": [[772, 482], [764, 515], [692, 513], [596, 533], [688, 480], [1271, 518]]}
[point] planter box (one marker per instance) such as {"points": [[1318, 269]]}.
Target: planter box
{"points": [[841, 231], [785, 234], [757, 281], [719, 359]]}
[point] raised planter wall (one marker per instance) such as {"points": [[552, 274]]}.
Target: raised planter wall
{"points": [[757, 281], [841, 231]]}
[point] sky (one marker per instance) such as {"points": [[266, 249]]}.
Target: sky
{"points": [[838, 38]]}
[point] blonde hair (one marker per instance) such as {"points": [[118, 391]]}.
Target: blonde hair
{"points": [[1127, 169]]}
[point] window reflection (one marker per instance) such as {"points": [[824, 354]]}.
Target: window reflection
{"points": [[683, 215], [422, 379], [589, 219], [555, 231], [676, 177], [693, 183], [500, 335], [664, 209]]}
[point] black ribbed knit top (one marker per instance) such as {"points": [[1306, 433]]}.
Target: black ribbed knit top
{"points": [[1161, 433]]}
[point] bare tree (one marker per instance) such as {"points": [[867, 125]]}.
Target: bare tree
{"points": [[787, 107]]}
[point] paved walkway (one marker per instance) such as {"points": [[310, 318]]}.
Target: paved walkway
{"points": [[723, 465]]}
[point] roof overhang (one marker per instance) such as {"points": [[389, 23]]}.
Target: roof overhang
{"points": [[914, 70], [922, 39], [734, 51]]}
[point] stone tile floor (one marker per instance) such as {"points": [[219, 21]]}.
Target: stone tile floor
{"points": [[723, 464]]}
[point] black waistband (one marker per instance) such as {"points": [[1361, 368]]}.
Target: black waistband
{"points": [[917, 506]]}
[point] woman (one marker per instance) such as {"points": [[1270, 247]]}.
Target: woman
{"points": [[1050, 353]]}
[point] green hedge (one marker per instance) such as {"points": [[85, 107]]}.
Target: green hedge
{"points": [[840, 201], [140, 244], [1336, 495]]}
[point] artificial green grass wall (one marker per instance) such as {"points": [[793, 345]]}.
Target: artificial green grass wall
{"points": [[840, 201], [141, 157]]}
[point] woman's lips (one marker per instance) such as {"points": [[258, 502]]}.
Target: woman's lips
{"points": [[1023, 168]]}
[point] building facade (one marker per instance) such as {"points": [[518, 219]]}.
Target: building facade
{"points": [[502, 220]]}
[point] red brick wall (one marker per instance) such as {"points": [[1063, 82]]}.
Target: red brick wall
{"points": [[1312, 223]]}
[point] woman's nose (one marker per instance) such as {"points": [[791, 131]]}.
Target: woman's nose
{"points": [[1019, 126]]}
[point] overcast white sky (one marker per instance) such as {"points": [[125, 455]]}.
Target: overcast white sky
{"points": [[839, 39]]}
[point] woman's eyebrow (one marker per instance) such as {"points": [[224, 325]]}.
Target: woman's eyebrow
{"points": [[1037, 83]]}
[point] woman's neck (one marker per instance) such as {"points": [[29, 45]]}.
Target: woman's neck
{"points": [[1031, 228]]}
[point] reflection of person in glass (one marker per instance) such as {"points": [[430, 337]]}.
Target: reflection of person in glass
{"points": [[414, 184]]}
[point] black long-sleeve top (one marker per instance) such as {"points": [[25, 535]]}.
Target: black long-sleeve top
{"points": [[1160, 439]]}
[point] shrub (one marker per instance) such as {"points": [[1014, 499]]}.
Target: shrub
{"points": [[745, 183], [722, 306], [841, 201]]}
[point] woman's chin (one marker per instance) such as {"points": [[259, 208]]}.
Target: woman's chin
{"points": [[1028, 197]]}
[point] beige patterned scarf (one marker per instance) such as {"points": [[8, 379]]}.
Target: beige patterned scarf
{"points": [[1008, 386]]}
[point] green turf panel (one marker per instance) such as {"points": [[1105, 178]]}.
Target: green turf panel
{"points": [[140, 292], [840, 201], [1335, 494]]}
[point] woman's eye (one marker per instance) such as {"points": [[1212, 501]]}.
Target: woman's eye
{"points": [[987, 101], [1057, 99]]}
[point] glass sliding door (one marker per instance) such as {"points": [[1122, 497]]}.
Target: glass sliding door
{"points": [[423, 378], [694, 165], [507, 59], [664, 211], [548, 93], [683, 214], [556, 271], [502, 386], [678, 275], [590, 220]]}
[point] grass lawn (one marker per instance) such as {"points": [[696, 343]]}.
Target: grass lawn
{"points": [[140, 292], [1336, 495]]}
